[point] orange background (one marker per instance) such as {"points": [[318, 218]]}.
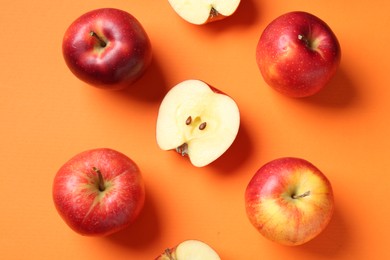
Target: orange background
{"points": [[48, 115]]}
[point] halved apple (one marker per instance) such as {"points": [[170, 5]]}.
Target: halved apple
{"points": [[197, 120], [190, 250], [204, 11]]}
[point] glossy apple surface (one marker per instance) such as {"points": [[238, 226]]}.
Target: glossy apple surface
{"points": [[298, 54], [289, 201], [198, 121], [107, 48], [99, 192]]}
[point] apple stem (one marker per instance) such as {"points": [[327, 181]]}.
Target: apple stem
{"points": [[182, 149], [307, 193], [213, 13], [168, 253], [202, 126], [305, 40], [101, 180], [100, 40]]}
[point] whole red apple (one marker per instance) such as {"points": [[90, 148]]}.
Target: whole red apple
{"points": [[298, 54], [107, 48], [289, 201], [99, 192]]}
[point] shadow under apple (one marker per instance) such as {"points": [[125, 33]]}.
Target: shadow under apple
{"points": [[143, 231], [239, 152], [340, 92], [150, 87], [333, 240]]}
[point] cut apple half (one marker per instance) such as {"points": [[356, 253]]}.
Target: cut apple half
{"points": [[197, 120], [190, 250], [204, 11]]}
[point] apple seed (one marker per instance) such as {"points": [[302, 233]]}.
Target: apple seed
{"points": [[202, 126], [189, 120]]}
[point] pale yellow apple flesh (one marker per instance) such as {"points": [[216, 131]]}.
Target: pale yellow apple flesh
{"points": [[190, 250], [203, 11], [196, 121]]}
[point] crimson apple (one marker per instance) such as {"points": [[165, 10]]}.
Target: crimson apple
{"points": [[298, 54], [289, 201], [99, 192], [107, 48]]}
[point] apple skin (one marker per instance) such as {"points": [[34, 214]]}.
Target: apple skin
{"points": [[84, 206], [124, 58], [298, 54], [289, 201]]}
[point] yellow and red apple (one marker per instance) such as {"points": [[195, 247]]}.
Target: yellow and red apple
{"points": [[289, 201]]}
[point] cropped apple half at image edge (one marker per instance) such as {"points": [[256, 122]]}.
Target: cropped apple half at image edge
{"points": [[289, 201], [298, 54], [107, 48], [202, 12], [99, 192], [190, 250], [197, 121]]}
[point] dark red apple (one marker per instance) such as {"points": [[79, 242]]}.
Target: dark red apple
{"points": [[298, 54], [107, 48], [99, 192]]}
